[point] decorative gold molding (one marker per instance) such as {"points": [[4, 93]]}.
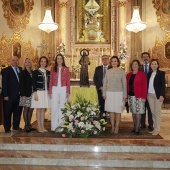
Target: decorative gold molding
{"points": [[163, 14], [6, 49], [17, 13], [122, 3], [63, 4], [159, 51]]}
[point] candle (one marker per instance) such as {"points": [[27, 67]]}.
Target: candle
{"points": [[136, 54], [112, 52], [77, 56], [102, 51], [71, 57]]}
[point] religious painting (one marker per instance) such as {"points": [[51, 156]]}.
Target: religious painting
{"points": [[163, 13], [17, 6], [167, 50], [93, 23], [166, 6], [17, 13], [16, 50]]}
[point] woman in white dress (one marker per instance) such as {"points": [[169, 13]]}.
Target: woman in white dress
{"points": [[59, 90], [114, 92], [40, 99]]}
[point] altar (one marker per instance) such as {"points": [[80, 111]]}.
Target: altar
{"points": [[89, 93]]}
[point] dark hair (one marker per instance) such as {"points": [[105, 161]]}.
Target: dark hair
{"points": [[56, 64], [138, 62], [116, 57], [42, 58], [156, 61], [145, 53]]}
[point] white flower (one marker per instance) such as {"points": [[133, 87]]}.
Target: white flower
{"points": [[88, 109], [88, 126], [81, 124], [93, 113], [60, 130], [97, 125], [68, 113], [78, 114], [70, 126], [94, 108]]}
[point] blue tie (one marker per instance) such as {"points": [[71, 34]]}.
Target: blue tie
{"points": [[146, 69]]}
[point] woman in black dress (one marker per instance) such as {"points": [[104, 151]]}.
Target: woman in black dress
{"points": [[25, 79]]}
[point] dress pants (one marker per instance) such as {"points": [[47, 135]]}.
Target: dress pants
{"points": [[12, 106], [155, 106], [143, 119], [57, 103], [101, 102]]}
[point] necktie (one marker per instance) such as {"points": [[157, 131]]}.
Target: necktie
{"points": [[146, 69], [104, 72], [16, 69]]}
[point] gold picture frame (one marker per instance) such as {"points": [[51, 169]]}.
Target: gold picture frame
{"points": [[16, 49], [163, 14], [17, 13], [93, 28]]}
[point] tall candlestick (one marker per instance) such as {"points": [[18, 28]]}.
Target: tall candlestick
{"points": [[136, 54], [102, 51], [71, 57]]}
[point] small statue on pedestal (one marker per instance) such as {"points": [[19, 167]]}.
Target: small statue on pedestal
{"points": [[84, 62]]}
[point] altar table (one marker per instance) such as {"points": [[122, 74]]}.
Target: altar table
{"points": [[89, 93]]}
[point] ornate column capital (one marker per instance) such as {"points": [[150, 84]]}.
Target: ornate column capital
{"points": [[122, 3], [63, 3]]}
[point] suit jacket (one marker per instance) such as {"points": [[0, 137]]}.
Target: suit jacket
{"points": [[65, 79], [140, 84], [25, 82], [98, 76], [10, 84], [158, 83], [148, 70]]}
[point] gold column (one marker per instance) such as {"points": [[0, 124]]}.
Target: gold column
{"points": [[122, 20], [63, 22]]}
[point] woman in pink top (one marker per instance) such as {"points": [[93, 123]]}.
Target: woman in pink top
{"points": [[59, 90]]}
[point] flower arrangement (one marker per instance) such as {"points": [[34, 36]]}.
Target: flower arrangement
{"points": [[82, 119], [76, 69], [123, 51], [61, 49]]}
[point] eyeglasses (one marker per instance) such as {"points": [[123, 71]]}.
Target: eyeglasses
{"points": [[104, 58]]}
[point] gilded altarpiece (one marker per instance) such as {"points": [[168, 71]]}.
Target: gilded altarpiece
{"points": [[93, 26], [7, 50]]}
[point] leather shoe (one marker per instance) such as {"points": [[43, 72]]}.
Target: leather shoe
{"points": [[150, 128], [143, 126], [7, 131], [17, 128]]}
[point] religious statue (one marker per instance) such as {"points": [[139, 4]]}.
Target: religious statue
{"points": [[84, 62]]}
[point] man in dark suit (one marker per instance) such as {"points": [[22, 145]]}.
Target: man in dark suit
{"points": [[10, 92], [98, 79], [145, 67]]}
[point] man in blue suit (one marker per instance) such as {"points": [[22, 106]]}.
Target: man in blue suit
{"points": [[10, 92], [145, 67]]}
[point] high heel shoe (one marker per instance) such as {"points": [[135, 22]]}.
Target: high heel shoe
{"points": [[27, 129], [41, 131], [116, 130], [45, 130], [112, 130], [31, 128]]}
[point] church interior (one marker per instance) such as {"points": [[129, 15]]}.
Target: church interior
{"points": [[35, 28]]}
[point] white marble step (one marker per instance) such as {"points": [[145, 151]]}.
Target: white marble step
{"points": [[86, 148], [85, 159]]}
